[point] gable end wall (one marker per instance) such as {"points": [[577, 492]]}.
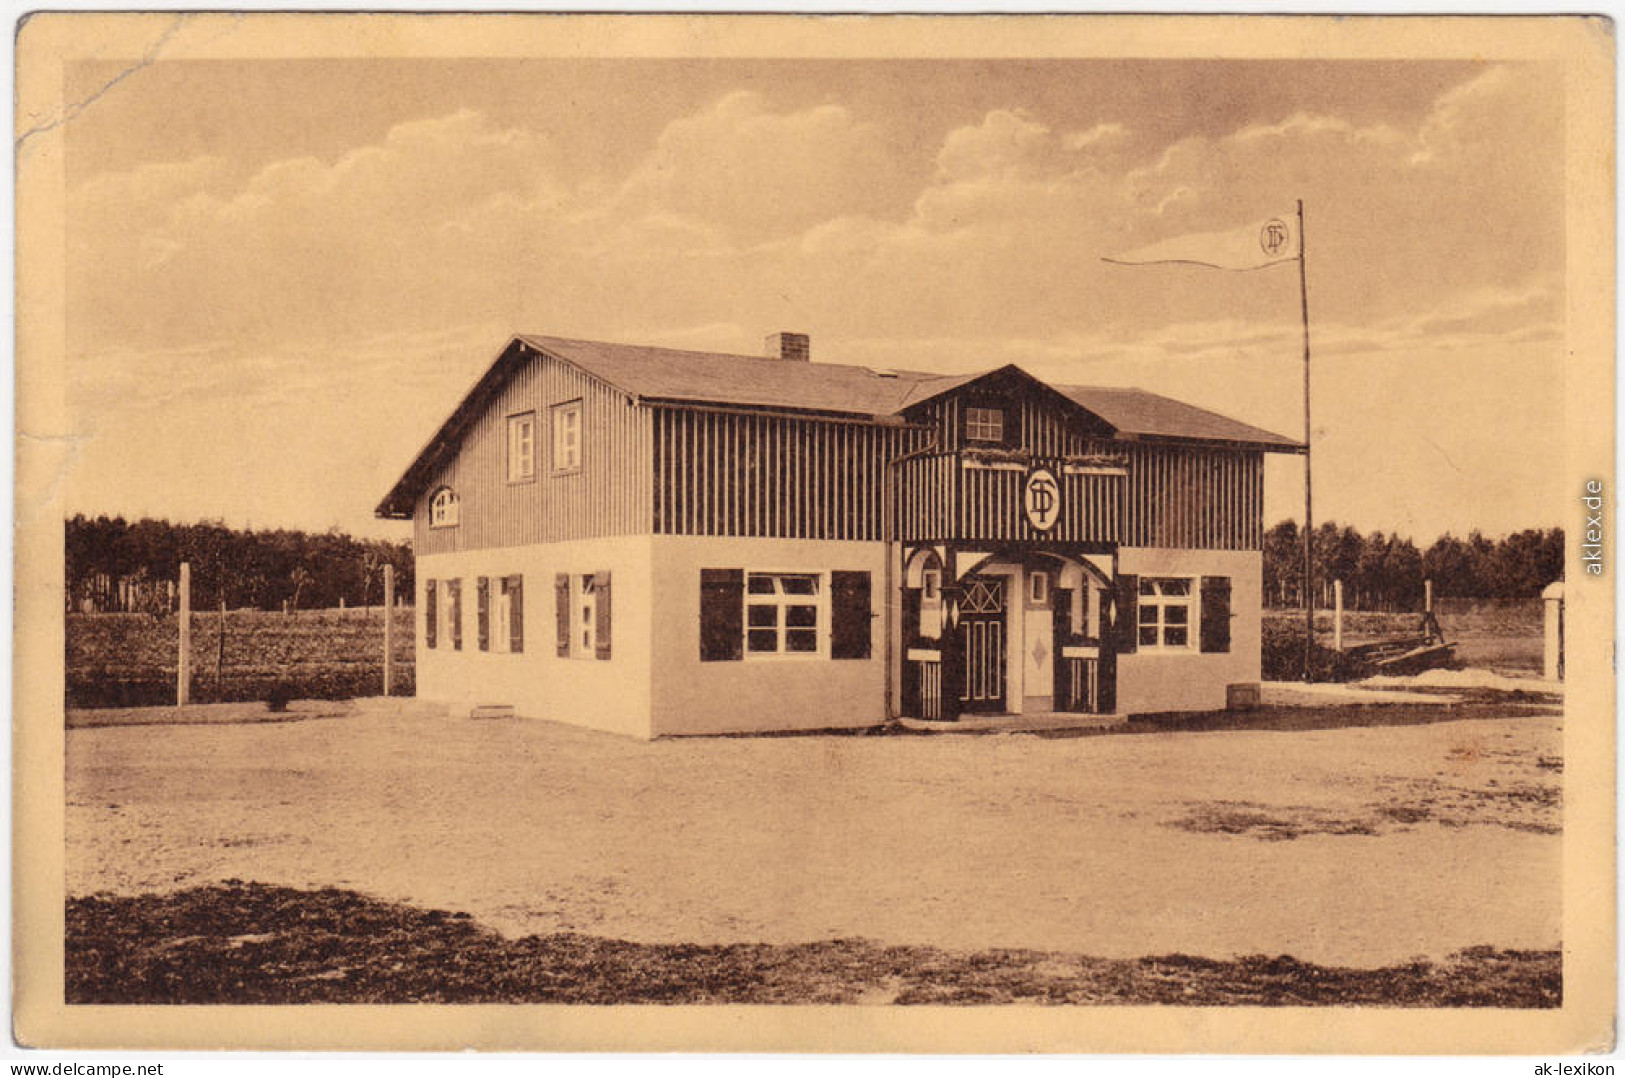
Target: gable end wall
{"points": [[610, 495]]}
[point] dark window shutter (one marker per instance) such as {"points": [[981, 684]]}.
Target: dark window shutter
{"points": [[561, 612], [431, 615], [722, 614], [1215, 613], [482, 603], [515, 587], [1126, 618], [849, 615], [454, 612], [600, 581]]}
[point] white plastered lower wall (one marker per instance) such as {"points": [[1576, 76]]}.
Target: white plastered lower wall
{"points": [[1151, 681], [605, 694], [694, 697]]}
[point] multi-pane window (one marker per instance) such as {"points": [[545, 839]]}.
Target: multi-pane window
{"points": [[781, 613], [454, 613], [511, 613], [1165, 612], [567, 437], [443, 509], [984, 424], [586, 599], [521, 447]]}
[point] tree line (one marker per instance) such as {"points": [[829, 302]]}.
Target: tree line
{"points": [[1386, 572], [114, 564]]}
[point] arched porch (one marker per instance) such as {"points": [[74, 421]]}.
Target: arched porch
{"points": [[1017, 631]]}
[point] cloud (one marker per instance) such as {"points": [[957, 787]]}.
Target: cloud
{"points": [[1005, 143], [1098, 137], [756, 173]]}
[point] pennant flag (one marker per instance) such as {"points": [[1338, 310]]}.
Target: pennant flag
{"points": [[1254, 246]]}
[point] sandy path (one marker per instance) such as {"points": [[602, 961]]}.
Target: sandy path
{"points": [[961, 842]]}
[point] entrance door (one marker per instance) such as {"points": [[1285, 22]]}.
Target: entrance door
{"points": [[982, 643]]}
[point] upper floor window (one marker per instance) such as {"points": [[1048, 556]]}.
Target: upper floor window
{"points": [[521, 447], [443, 509], [1165, 612], [567, 437], [984, 424]]}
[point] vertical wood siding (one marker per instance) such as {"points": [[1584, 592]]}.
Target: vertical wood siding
{"points": [[719, 472], [1210, 499], [940, 500], [609, 495]]}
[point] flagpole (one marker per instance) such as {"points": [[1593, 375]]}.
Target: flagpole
{"points": [[1308, 490]]}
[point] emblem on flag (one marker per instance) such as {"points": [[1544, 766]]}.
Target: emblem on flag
{"points": [[1248, 248]]}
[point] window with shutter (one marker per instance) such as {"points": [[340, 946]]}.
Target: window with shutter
{"points": [[849, 615], [600, 581], [561, 613], [722, 614], [431, 615], [514, 589], [482, 612], [1215, 609]]}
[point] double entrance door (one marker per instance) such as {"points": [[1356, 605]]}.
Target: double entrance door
{"points": [[983, 646]]}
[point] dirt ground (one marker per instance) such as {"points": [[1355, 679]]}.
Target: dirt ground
{"points": [[1359, 846]]}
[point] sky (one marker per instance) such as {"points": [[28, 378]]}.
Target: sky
{"points": [[282, 275]]}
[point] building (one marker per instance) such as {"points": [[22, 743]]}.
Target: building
{"points": [[661, 542]]}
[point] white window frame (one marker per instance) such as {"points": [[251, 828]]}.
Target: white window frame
{"points": [[782, 601], [1038, 589], [567, 455], [499, 608], [984, 424], [453, 623], [1161, 603], [522, 447], [444, 509], [931, 603], [583, 635]]}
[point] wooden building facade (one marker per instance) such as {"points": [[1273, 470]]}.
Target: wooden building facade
{"points": [[661, 542]]}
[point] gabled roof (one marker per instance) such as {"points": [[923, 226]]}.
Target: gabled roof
{"points": [[671, 375], [1148, 415]]}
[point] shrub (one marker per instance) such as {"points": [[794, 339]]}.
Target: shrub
{"points": [[1283, 657]]}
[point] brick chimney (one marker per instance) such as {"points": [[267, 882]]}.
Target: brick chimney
{"points": [[792, 346]]}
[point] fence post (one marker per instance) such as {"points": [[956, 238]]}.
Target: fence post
{"points": [[183, 670], [389, 626], [1337, 615], [1552, 600]]}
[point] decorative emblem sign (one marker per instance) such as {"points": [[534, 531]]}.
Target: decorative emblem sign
{"points": [[1274, 237], [1041, 499]]}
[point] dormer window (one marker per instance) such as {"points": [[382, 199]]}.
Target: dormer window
{"points": [[984, 425], [443, 509]]}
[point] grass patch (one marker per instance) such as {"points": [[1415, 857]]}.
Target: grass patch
{"points": [[250, 943]]}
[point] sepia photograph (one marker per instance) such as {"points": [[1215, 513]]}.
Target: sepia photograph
{"points": [[931, 534]]}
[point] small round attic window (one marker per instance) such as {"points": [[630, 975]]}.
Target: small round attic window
{"points": [[443, 509]]}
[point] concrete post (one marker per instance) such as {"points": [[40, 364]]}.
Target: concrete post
{"points": [[1337, 615], [389, 627], [183, 669], [1427, 595], [1553, 602]]}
